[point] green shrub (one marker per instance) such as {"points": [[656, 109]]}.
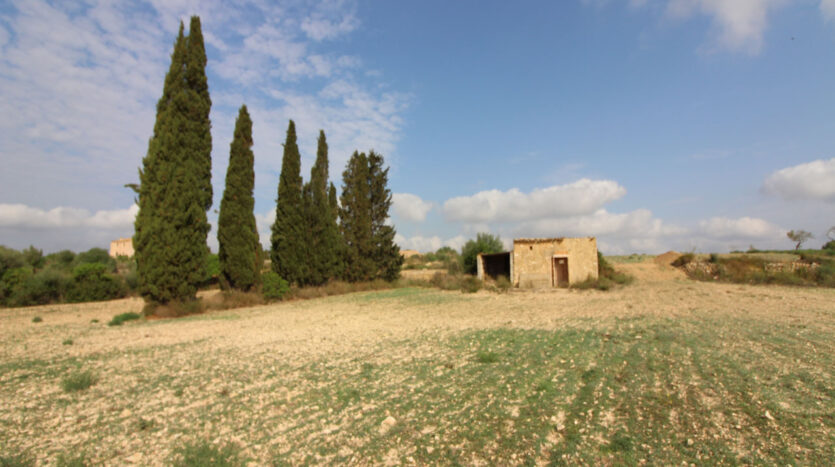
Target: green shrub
{"points": [[483, 243], [67, 342], [273, 287], [120, 319], [91, 282], [37, 319], [714, 258], [46, 286], [205, 454], [78, 381], [470, 284], [96, 256]]}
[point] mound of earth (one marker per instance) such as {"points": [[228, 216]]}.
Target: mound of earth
{"points": [[667, 258]]}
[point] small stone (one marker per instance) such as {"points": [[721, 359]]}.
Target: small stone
{"points": [[769, 416], [134, 458], [690, 442], [430, 449], [387, 424]]}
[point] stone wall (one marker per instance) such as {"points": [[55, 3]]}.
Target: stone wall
{"points": [[121, 247], [532, 260]]}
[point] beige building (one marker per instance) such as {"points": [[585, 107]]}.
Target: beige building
{"points": [[121, 247], [543, 262]]}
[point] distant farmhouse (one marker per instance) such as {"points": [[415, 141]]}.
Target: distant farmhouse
{"points": [[121, 247], [543, 262]]}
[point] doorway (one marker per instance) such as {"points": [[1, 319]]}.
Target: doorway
{"points": [[559, 272]]}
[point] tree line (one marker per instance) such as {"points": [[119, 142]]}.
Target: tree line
{"points": [[316, 237]]}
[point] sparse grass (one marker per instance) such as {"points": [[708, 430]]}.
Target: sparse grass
{"points": [[713, 374], [122, 318], [37, 319], [67, 342], [78, 381], [485, 356], [94, 321], [72, 460], [205, 454], [16, 459]]}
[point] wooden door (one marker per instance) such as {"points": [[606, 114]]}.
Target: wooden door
{"points": [[560, 272]]}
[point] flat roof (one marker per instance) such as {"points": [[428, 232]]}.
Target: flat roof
{"points": [[546, 240]]}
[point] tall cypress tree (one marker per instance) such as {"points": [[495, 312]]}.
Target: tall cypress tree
{"points": [[171, 226], [237, 234], [288, 251], [385, 253], [323, 236], [369, 249], [355, 220]]}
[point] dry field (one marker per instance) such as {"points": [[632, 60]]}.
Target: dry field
{"points": [[663, 371]]}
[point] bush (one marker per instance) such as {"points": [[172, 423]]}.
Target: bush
{"points": [[446, 281], [273, 287], [78, 381], [118, 320], [483, 243], [470, 284], [91, 282], [96, 256]]}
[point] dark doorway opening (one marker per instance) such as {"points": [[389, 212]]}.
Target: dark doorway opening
{"points": [[559, 272], [497, 264]]}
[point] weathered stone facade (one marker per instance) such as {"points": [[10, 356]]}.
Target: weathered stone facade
{"points": [[537, 262], [121, 247], [543, 262]]}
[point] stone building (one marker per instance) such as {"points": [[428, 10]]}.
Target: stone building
{"points": [[121, 247], [543, 262]]}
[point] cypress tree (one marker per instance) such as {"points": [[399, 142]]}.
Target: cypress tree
{"points": [[287, 240], [355, 220], [201, 105], [171, 225], [385, 253], [237, 234], [323, 236]]}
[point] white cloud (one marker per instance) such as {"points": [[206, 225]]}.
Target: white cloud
{"points": [[22, 216], [581, 197], [743, 228], [409, 207], [428, 244], [80, 84], [813, 181], [828, 9]]}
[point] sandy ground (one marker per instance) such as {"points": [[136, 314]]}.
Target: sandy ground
{"points": [[295, 334]]}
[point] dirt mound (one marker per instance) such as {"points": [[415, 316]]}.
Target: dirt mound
{"points": [[667, 258]]}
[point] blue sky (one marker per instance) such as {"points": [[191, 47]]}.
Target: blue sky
{"points": [[650, 124]]}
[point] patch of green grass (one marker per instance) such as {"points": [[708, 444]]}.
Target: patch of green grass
{"points": [[67, 342], [120, 319], [205, 454], [78, 381], [485, 356], [615, 393], [37, 319]]}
